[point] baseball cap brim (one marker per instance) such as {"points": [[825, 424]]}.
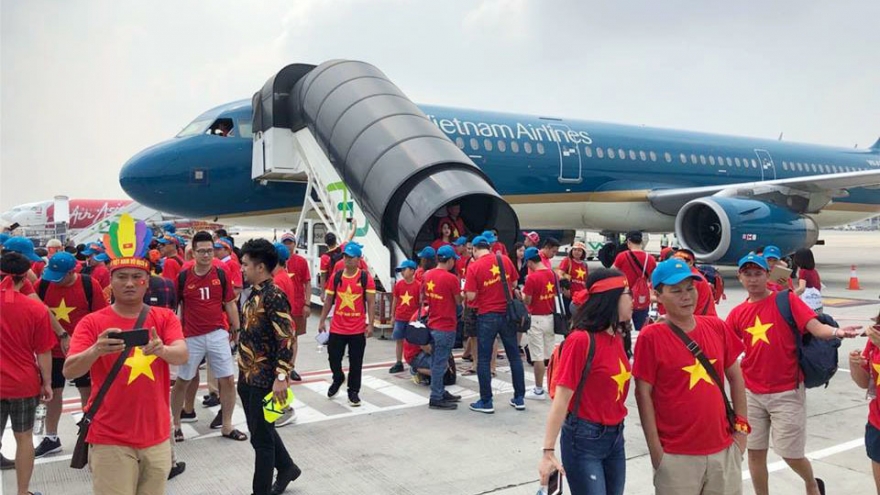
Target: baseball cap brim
{"points": [[51, 275], [676, 278], [32, 256]]}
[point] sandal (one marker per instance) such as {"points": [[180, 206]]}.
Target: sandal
{"points": [[235, 435], [178, 436]]}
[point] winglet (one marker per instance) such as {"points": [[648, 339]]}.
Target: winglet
{"points": [[876, 146]]}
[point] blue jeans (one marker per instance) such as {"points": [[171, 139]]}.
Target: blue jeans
{"points": [[442, 349], [593, 457], [489, 326]]}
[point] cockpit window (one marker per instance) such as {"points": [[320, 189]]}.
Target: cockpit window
{"points": [[223, 127], [245, 129], [195, 127]]}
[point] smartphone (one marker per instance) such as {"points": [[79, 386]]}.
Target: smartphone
{"points": [[14, 226], [133, 338], [780, 275], [554, 485]]}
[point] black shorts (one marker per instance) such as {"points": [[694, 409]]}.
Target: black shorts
{"points": [[58, 379], [469, 322], [21, 411], [872, 442]]}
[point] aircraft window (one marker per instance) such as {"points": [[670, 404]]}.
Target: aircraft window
{"points": [[487, 144], [703, 159], [514, 146], [836, 170], [621, 154], [711, 160], [459, 142], [502, 146], [694, 159], [814, 167], [800, 166], [474, 144], [643, 156], [540, 147], [527, 147], [653, 156], [729, 161], [611, 153], [784, 165], [632, 155], [720, 161], [683, 158], [738, 164], [754, 163], [600, 153], [588, 151], [223, 127], [828, 169], [245, 130], [195, 127]]}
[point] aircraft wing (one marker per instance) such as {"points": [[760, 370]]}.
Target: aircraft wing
{"points": [[804, 194]]}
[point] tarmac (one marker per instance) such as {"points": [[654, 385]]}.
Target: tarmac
{"points": [[394, 444]]}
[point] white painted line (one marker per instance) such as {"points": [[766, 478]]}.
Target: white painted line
{"points": [[819, 454], [498, 386], [341, 398], [397, 393]]}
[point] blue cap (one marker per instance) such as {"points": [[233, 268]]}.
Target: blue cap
{"points": [[480, 241], [446, 252], [169, 227], [353, 250], [23, 246], [407, 264], [169, 239], [94, 248], [283, 252], [60, 264], [772, 252], [490, 236], [461, 241], [223, 243], [754, 259], [531, 253], [4, 237], [102, 257], [427, 252], [671, 272]]}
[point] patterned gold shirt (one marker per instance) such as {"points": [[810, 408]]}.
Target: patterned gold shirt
{"points": [[266, 338]]}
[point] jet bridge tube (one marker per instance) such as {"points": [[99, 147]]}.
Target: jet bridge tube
{"points": [[397, 164]]}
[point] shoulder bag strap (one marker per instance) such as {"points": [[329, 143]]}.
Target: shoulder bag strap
{"points": [[783, 304], [117, 365], [505, 287], [636, 262], [697, 352], [589, 364], [560, 303]]}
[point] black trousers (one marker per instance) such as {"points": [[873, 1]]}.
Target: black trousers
{"points": [[269, 450], [335, 352]]}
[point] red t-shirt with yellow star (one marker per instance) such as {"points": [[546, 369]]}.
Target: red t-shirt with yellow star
{"points": [[350, 305], [407, 297], [440, 290], [770, 364], [69, 305], [688, 405], [24, 331], [872, 355], [578, 272], [607, 383], [541, 287], [102, 274], [483, 277], [135, 410]]}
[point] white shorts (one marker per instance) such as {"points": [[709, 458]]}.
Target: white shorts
{"points": [[541, 337], [214, 346]]}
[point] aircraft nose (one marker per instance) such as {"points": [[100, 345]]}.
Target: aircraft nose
{"points": [[146, 175]]}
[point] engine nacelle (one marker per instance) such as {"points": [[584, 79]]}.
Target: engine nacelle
{"points": [[719, 229]]}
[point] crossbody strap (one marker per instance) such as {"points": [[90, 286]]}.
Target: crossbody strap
{"points": [[783, 305], [560, 303], [117, 365], [505, 287], [589, 364], [697, 352]]}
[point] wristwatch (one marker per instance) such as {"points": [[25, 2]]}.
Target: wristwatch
{"points": [[64, 335], [281, 377]]}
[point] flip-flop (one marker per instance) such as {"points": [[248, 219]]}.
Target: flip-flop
{"points": [[178, 436], [235, 435], [821, 485]]}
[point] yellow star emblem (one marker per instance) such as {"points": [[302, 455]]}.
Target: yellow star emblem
{"points": [[698, 373], [580, 273], [430, 285], [876, 367], [621, 378], [405, 298], [495, 270], [62, 312], [759, 331], [550, 287], [140, 364], [347, 299]]}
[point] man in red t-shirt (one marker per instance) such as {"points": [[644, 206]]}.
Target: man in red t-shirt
{"points": [[129, 435], [540, 294], [427, 261], [172, 263], [95, 264], [404, 303], [495, 246], [223, 252], [485, 286], [637, 266], [776, 399], [442, 295], [705, 297], [353, 295], [25, 332], [209, 313], [865, 372], [681, 405], [63, 291]]}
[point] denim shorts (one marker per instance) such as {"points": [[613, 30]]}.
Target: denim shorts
{"points": [[872, 442], [421, 361], [399, 330]]}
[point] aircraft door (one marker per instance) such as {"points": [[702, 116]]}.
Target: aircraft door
{"points": [[570, 162], [765, 162]]}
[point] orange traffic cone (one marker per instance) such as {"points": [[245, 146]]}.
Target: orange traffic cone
{"points": [[853, 279]]}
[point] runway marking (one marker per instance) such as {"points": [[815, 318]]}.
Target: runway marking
{"points": [[814, 456]]}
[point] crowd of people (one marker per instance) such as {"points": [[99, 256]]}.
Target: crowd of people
{"points": [[205, 302]]}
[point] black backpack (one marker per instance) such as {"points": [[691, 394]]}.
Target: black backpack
{"points": [[337, 279], [86, 283], [335, 256], [817, 357]]}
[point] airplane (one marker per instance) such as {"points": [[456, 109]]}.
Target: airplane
{"points": [[83, 213], [722, 195]]}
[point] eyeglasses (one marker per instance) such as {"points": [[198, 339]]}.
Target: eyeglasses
{"points": [[204, 252]]}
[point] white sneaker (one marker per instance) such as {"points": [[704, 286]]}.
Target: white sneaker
{"points": [[287, 418], [533, 395]]}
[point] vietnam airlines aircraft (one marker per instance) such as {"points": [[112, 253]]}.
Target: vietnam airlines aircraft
{"points": [[722, 195]]}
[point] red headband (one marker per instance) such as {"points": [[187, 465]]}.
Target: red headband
{"points": [[138, 263], [603, 285]]}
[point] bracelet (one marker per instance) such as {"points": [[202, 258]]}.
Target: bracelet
{"points": [[742, 426], [548, 450], [834, 333]]}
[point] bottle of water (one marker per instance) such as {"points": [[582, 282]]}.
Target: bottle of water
{"points": [[40, 420]]}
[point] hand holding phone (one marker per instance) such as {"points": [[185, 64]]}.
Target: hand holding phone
{"points": [[132, 338], [780, 275]]}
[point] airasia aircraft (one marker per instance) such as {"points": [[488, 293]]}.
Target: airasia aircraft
{"points": [[83, 213]]}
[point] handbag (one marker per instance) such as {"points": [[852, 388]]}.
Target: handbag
{"points": [[80, 456], [710, 370], [451, 372], [417, 332], [518, 318], [560, 322]]}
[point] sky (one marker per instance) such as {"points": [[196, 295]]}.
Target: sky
{"points": [[86, 85]]}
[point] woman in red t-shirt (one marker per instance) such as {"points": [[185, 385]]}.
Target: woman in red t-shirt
{"points": [[445, 236], [865, 372], [592, 423], [809, 284]]}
